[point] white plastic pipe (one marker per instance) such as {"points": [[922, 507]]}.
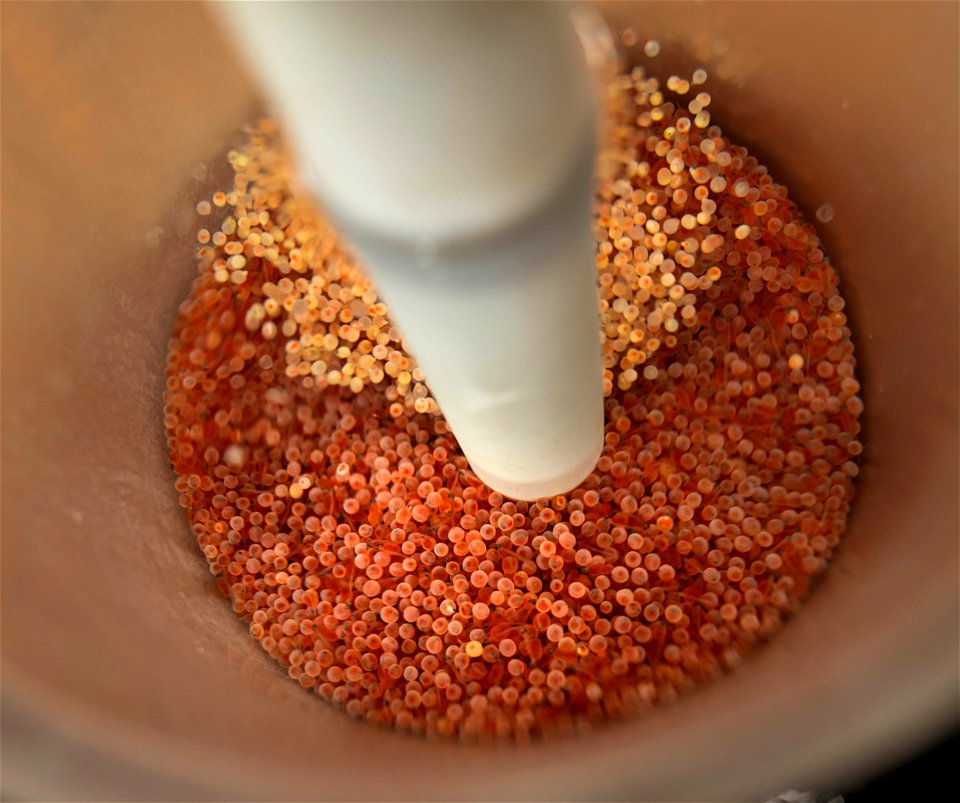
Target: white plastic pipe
{"points": [[453, 143]]}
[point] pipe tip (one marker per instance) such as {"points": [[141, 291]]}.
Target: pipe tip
{"points": [[555, 474]]}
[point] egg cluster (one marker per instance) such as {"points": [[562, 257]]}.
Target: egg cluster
{"points": [[339, 516], [320, 303], [658, 226]]}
